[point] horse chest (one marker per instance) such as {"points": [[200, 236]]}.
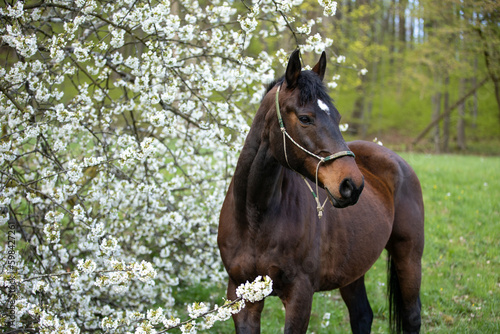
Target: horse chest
{"points": [[279, 255]]}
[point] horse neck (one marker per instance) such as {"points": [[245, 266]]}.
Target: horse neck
{"points": [[258, 177]]}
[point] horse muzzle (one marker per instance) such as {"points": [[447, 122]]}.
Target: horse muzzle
{"points": [[349, 193]]}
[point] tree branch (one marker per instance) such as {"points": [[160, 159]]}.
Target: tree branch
{"points": [[448, 111]]}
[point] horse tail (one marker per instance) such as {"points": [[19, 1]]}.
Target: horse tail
{"points": [[395, 297]]}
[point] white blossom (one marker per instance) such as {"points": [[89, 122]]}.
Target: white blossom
{"points": [[121, 125], [171, 322], [189, 328], [4, 200], [40, 286], [109, 323], [21, 307], [117, 39], [197, 309], [54, 217], [257, 290], [15, 11], [330, 7], [4, 218], [145, 328], [316, 43], [325, 321], [97, 231], [81, 53], [332, 84], [52, 232], [109, 245], [248, 24], [144, 271], [156, 316], [87, 266], [224, 313]]}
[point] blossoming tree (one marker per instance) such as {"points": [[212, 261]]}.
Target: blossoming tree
{"points": [[121, 121]]}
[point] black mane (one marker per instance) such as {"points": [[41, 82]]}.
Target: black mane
{"points": [[310, 86]]}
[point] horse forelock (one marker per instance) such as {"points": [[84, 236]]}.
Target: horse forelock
{"points": [[310, 87]]}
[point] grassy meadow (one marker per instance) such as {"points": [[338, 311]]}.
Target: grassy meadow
{"points": [[461, 265]]}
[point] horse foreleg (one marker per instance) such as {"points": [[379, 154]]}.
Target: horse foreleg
{"points": [[247, 321], [360, 312], [297, 298]]}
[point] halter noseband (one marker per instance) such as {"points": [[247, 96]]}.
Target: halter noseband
{"points": [[331, 157]]}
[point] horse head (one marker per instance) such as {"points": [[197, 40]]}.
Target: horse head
{"points": [[310, 141]]}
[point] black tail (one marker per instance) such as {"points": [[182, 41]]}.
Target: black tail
{"points": [[395, 297]]}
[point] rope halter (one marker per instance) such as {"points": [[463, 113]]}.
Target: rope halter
{"points": [[319, 206]]}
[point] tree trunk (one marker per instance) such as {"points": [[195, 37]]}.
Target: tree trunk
{"points": [[402, 25], [392, 31], [436, 110], [492, 56], [461, 119], [475, 102], [497, 95], [446, 119], [358, 125]]}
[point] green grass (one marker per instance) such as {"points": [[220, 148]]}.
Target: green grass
{"points": [[461, 265], [461, 274]]}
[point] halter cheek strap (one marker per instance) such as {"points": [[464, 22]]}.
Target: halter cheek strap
{"points": [[331, 157]]}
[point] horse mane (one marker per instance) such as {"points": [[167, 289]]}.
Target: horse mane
{"points": [[273, 83], [310, 86]]}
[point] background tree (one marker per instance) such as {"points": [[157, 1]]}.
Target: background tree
{"points": [[416, 53], [121, 123]]}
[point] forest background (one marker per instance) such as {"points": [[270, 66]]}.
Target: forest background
{"points": [[426, 61]]}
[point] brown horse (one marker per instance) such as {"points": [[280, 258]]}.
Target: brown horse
{"points": [[271, 224]]}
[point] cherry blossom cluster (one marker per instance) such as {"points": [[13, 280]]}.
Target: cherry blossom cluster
{"points": [[120, 127], [329, 6], [202, 317], [257, 290]]}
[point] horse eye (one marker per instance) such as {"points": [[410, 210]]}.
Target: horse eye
{"points": [[305, 120]]}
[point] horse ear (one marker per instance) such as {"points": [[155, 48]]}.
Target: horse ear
{"points": [[320, 67], [293, 69]]}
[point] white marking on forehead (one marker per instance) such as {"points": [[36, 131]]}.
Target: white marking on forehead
{"points": [[322, 105]]}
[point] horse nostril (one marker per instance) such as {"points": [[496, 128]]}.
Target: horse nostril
{"points": [[346, 188]]}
